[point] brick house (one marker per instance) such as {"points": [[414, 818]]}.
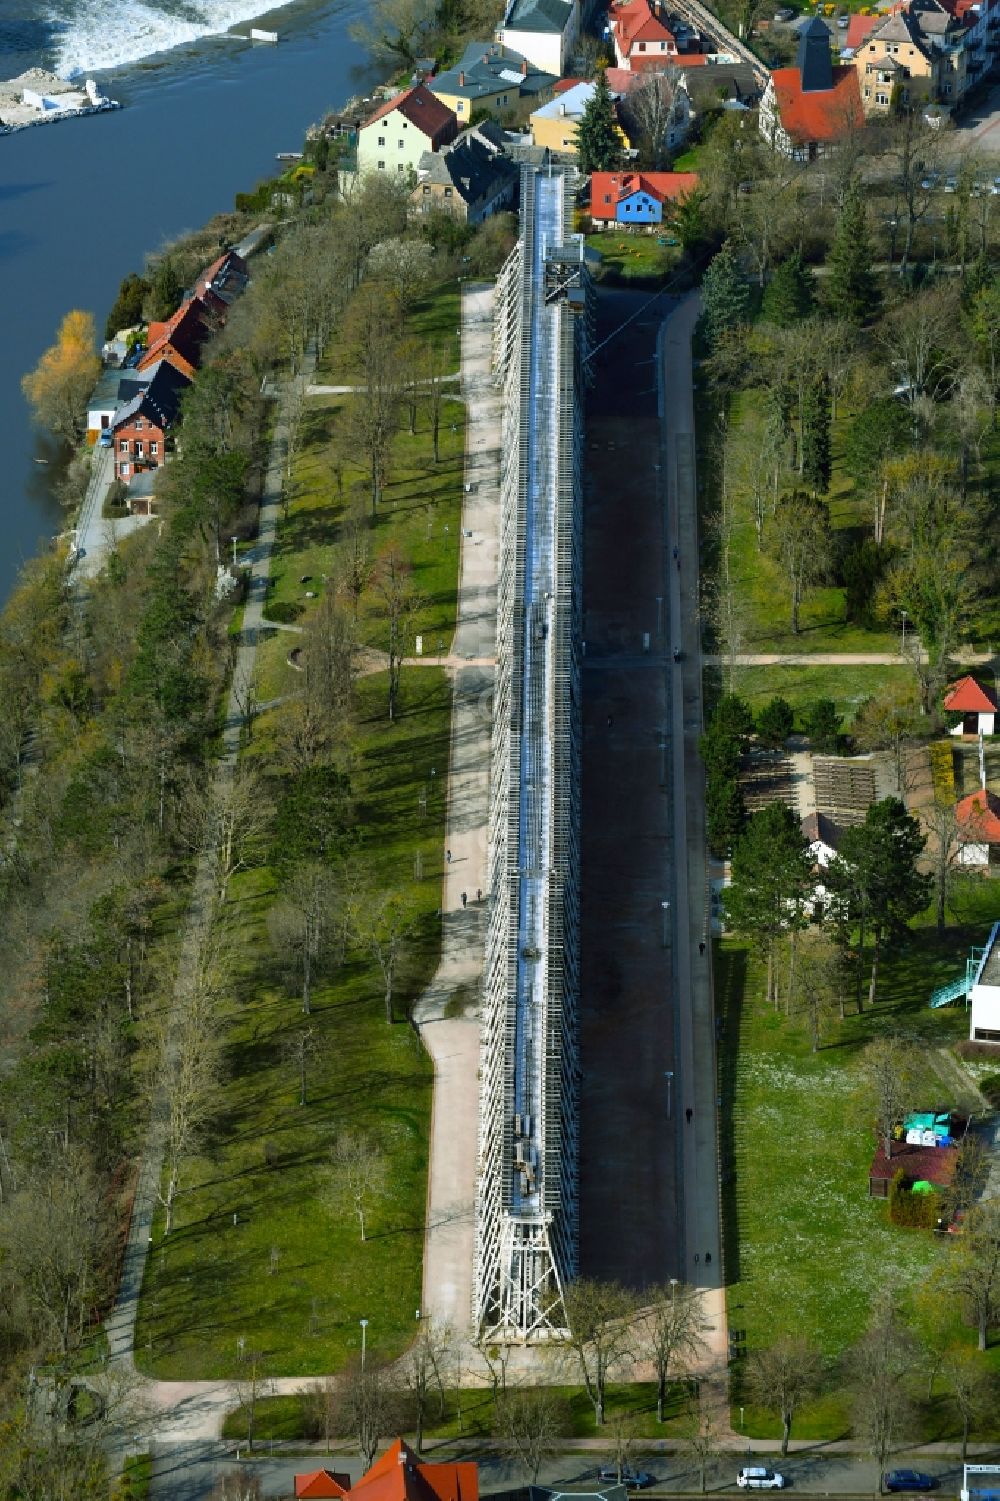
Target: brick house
{"points": [[140, 426]]}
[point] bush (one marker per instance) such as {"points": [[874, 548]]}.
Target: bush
{"points": [[283, 611], [989, 1085], [943, 772], [914, 1211]]}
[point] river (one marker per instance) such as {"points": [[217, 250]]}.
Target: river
{"points": [[82, 201]]}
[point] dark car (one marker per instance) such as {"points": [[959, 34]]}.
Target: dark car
{"points": [[908, 1480], [635, 1480]]}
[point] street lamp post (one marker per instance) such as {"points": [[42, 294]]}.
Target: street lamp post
{"points": [[669, 1076], [902, 645], [364, 1326], [665, 908], [234, 551], [673, 1288]]}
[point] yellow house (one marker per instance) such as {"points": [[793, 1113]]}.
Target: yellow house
{"points": [[895, 61], [489, 77], [555, 124]]}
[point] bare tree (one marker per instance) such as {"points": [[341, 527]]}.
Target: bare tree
{"points": [[821, 981], [944, 843], [889, 1071], [652, 105], [622, 1434], [783, 1376], [672, 1334], [495, 1355], [425, 1365], [437, 392], [881, 1361], [703, 1444], [299, 1048], [188, 1069], [400, 602], [973, 1390], [229, 818], [599, 1316], [355, 552], [237, 1485], [301, 924], [367, 1408], [972, 1171], [384, 925], [973, 1275], [890, 721], [919, 341], [529, 1422], [250, 1383], [358, 1174], [799, 540], [330, 652]]}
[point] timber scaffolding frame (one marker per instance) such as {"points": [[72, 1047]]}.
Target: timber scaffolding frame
{"points": [[527, 1190]]}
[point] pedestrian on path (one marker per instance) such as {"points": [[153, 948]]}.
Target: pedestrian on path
{"points": [[479, 894], [447, 856], [689, 1113], [708, 1257], [697, 1258], [465, 898], [701, 947], [610, 721]]}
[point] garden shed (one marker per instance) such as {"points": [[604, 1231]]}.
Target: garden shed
{"points": [[919, 1164]]}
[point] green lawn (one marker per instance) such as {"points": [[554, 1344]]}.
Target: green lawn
{"points": [[470, 1413], [801, 686], [435, 319], [807, 1249], [634, 257], [213, 1281], [420, 513]]}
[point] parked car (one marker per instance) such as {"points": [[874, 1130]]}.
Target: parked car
{"points": [[843, 22], [908, 1480], [758, 1478], [951, 184], [106, 438], [635, 1480]]}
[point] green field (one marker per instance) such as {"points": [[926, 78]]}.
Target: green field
{"points": [[634, 257], [807, 1249], [848, 687], [470, 1413], [434, 319]]}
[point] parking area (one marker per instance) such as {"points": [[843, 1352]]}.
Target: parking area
{"points": [[979, 129]]}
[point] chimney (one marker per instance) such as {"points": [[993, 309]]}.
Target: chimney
{"points": [[461, 80], [524, 67], [562, 109]]}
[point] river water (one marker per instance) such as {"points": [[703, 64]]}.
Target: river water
{"points": [[82, 201]]}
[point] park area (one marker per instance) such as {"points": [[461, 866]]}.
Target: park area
{"points": [[266, 1254]]}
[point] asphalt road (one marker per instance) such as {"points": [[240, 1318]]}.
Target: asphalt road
{"points": [[188, 1472]]}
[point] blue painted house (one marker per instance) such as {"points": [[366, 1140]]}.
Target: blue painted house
{"points": [[624, 198]]}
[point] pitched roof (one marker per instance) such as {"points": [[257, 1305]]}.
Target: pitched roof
{"points": [[899, 27], [858, 28], [550, 16], [647, 21], [571, 104], [322, 1483], [420, 107], [733, 80], [820, 115], [969, 697], [181, 336], [662, 186], [920, 1164], [486, 66], [978, 817], [469, 166], [398, 1476], [159, 399], [818, 828]]}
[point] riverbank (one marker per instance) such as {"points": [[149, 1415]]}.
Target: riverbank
{"points": [[38, 98]]}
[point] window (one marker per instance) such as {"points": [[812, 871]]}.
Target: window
{"points": [[642, 46], [123, 470], [427, 191], [123, 445], [607, 197], [882, 99], [868, 93], [139, 449], [987, 1034], [947, 88], [399, 145], [154, 447], [504, 99], [448, 192], [381, 140], [381, 166], [460, 107], [401, 167]]}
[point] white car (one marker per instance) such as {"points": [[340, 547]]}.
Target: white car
{"points": [[758, 1478]]}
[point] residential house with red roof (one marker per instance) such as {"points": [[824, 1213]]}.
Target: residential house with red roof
{"points": [[978, 820], [977, 705], [321, 1485], [181, 338], [398, 1476], [807, 109], [646, 35], [399, 132], [637, 198]]}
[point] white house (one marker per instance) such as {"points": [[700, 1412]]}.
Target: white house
{"points": [[543, 31], [977, 706], [402, 129], [984, 997]]}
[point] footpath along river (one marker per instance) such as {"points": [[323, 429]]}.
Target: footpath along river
{"points": [[82, 201]]}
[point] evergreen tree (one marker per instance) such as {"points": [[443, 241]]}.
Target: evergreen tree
{"points": [[851, 288], [771, 880], [598, 144], [724, 294], [725, 811], [790, 294], [167, 289], [817, 463], [774, 723], [822, 724]]}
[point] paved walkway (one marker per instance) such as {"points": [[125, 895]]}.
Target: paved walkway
{"points": [[842, 659], [453, 1041], [695, 1085], [96, 535], [197, 1407]]}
